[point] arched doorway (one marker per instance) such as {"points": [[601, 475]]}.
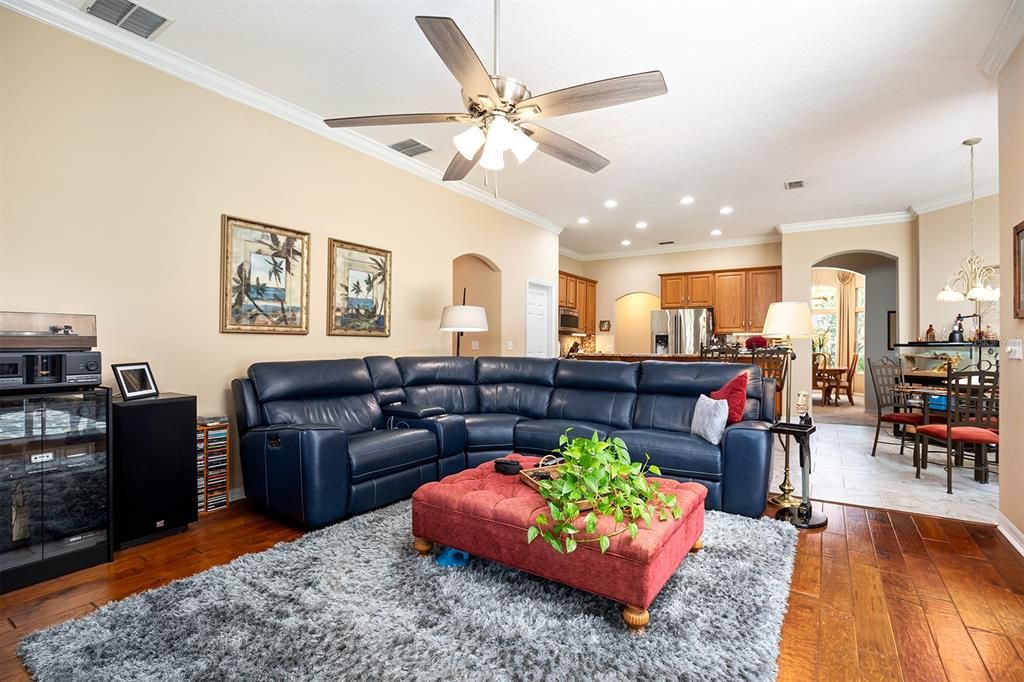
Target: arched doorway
{"points": [[481, 280], [879, 296], [632, 322]]}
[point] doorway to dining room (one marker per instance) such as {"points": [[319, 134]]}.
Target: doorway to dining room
{"points": [[838, 311]]}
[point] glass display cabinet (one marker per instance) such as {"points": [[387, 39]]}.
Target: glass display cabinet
{"points": [[925, 362], [54, 484]]}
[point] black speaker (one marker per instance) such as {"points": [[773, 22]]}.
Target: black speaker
{"points": [[154, 448]]}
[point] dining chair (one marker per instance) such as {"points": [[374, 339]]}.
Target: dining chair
{"points": [[846, 383], [821, 380], [887, 377], [972, 419], [720, 352], [772, 362]]}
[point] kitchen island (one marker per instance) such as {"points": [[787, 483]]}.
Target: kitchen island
{"points": [[637, 357]]}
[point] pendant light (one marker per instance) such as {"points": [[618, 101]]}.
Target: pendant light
{"points": [[971, 281]]}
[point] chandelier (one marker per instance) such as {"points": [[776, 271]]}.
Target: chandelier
{"points": [[971, 281]]}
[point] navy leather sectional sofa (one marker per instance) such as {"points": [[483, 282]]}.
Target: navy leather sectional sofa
{"points": [[325, 439]]}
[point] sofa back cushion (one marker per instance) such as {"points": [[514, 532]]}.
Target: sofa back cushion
{"points": [[443, 381], [668, 391], [387, 379], [332, 392], [515, 385], [595, 391]]}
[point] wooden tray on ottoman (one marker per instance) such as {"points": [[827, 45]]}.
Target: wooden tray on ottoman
{"points": [[486, 514]]}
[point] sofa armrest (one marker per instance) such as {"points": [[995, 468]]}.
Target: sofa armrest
{"points": [[768, 389], [411, 411], [300, 471], [747, 455], [448, 429], [247, 409]]}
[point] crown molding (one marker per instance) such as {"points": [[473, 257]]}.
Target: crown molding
{"points": [[71, 20], [845, 223], [954, 199], [1006, 39], [675, 248]]}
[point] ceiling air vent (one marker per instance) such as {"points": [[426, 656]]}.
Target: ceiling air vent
{"points": [[411, 147], [128, 15], [794, 184], [666, 243]]}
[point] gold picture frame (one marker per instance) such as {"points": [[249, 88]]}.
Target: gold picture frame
{"points": [[359, 290], [264, 278]]}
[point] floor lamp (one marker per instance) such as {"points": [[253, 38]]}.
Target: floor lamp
{"points": [[790, 320], [463, 318]]}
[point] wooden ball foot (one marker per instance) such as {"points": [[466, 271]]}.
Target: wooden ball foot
{"points": [[424, 546], [636, 618], [698, 546]]}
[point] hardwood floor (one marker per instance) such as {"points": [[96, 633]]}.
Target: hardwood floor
{"points": [[875, 596]]}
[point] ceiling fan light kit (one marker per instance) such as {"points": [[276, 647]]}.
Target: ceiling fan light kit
{"points": [[501, 109]]}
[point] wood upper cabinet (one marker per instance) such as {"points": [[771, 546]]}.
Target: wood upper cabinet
{"points": [[673, 291], [591, 326], [580, 294], [570, 292], [700, 290], [730, 302], [764, 287], [562, 288]]}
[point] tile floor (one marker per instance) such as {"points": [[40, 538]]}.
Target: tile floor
{"points": [[844, 471]]}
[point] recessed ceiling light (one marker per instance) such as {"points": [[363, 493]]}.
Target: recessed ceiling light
{"points": [[582, 220], [687, 200], [625, 242], [716, 232], [611, 203], [641, 225], [725, 210]]}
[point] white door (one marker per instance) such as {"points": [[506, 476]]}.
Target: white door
{"points": [[538, 320]]}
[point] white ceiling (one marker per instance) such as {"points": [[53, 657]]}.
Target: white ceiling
{"points": [[865, 101]]}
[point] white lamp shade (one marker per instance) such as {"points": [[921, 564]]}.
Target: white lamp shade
{"points": [[522, 146], [469, 142], [463, 318], [949, 295], [788, 318]]}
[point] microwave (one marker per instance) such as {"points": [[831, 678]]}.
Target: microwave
{"points": [[568, 320]]}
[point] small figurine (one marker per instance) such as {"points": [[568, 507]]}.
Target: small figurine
{"points": [[930, 335], [801, 407]]}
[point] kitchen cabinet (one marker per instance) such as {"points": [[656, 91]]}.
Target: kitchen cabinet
{"points": [[700, 289], [730, 302], [673, 291], [580, 294], [764, 287]]}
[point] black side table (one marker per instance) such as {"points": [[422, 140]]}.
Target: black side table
{"points": [[805, 515]]}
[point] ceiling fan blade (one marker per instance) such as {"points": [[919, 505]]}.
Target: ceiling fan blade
{"points": [[597, 95], [458, 55], [396, 119], [460, 166], [564, 149]]}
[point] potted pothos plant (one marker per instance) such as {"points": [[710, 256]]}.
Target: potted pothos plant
{"points": [[600, 476]]}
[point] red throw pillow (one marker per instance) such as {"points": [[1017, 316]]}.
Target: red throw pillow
{"points": [[734, 393]]}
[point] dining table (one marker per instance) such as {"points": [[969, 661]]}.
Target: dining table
{"points": [[833, 377]]}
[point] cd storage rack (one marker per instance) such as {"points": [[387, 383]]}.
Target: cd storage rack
{"points": [[212, 467]]}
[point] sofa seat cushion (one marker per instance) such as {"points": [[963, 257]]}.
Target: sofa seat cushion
{"points": [[676, 453], [541, 435], [490, 431], [376, 453]]}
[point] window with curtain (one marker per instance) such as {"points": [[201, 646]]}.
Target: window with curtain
{"points": [[825, 316], [859, 315]]}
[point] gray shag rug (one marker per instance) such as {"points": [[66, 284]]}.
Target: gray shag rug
{"points": [[355, 602]]}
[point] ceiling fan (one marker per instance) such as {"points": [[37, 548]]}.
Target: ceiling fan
{"points": [[501, 109]]}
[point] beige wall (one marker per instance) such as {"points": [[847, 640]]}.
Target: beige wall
{"points": [[632, 325], [569, 264], [483, 287], [801, 250], [115, 178], [1011, 213], [944, 238], [620, 276]]}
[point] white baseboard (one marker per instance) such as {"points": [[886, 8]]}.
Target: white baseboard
{"points": [[236, 494], [1012, 534]]}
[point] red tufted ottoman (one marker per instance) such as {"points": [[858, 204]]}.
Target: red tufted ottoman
{"points": [[486, 514]]}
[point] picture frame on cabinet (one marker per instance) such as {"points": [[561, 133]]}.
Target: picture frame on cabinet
{"points": [[264, 278], [359, 290], [135, 380]]}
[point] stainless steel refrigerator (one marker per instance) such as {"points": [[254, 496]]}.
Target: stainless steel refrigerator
{"points": [[681, 332]]}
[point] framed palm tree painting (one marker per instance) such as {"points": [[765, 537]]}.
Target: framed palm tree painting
{"points": [[264, 278], [359, 300]]}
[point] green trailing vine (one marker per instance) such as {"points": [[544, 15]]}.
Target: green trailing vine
{"points": [[601, 473]]}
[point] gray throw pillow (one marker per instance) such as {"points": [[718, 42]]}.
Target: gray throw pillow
{"points": [[709, 419]]}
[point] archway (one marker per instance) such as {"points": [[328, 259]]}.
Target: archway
{"points": [[632, 322], [481, 280], [881, 295]]}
